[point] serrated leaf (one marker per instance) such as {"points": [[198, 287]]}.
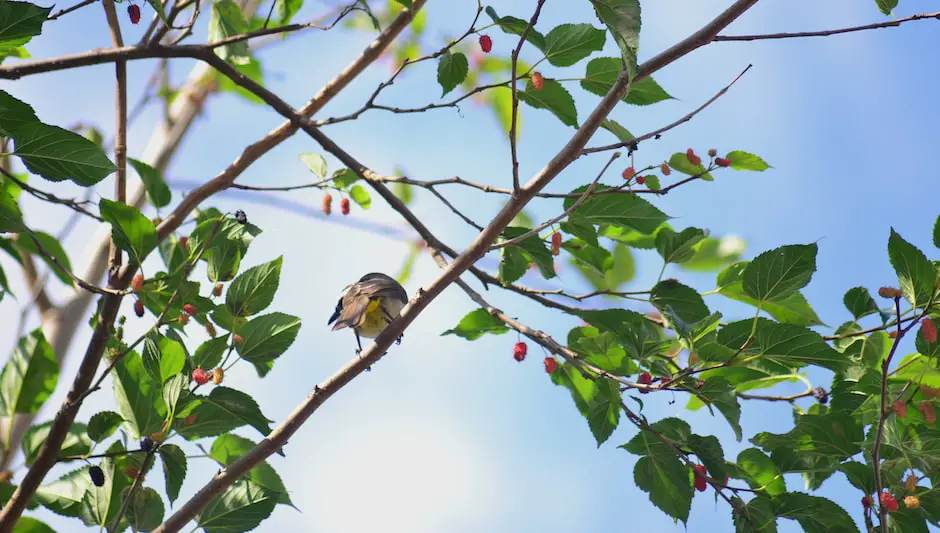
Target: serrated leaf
{"points": [[242, 507], [58, 154], [719, 392], [601, 350], [174, 469], [813, 513], [625, 210], [886, 6], [452, 71], [209, 353], [834, 434], [594, 257], [859, 302], [598, 400], [741, 160], [638, 336], [173, 390], [552, 97], [223, 410], [226, 21], [11, 218], [775, 274], [145, 510], [678, 247], [19, 22], [792, 309], [286, 9], [253, 290], [157, 189], [266, 337], [476, 323], [622, 18], [683, 301], [755, 517], [131, 231], [567, 44], [28, 524], [762, 473], [622, 134], [709, 452], [516, 26], [712, 254], [602, 72], [316, 163], [344, 177], [936, 232], [666, 480], [226, 449], [102, 425], [916, 274], [794, 346], [100, 505], [13, 112], [64, 495], [29, 377], [534, 249], [139, 398]]}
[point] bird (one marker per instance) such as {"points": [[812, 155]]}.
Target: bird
{"points": [[369, 306]]}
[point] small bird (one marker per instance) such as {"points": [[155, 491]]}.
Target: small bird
{"points": [[369, 306]]}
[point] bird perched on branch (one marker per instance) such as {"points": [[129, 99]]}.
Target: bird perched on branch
{"points": [[369, 306]]}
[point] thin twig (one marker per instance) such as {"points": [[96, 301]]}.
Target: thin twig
{"points": [[71, 203], [513, 84], [826, 33], [78, 281], [655, 134], [68, 10]]}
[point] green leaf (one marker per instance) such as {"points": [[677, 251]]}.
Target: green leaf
{"points": [[601, 350], [678, 247], [755, 517], [451, 71], [626, 210], [76, 442], [936, 231], [622, 134], [266, 338], [762, 473], [286, 9], [622, 17], [29, 377], [585, 232], [794, 346], [58, 154], [157, 189], [534, 250], [173, 390], [242, 507], [229, 243], [209, 353], [793, 309], [19, 22], [594, 257], [741, 160], [360, 196], [859, 302], [163, 358], [834, 434], [145, 510], [51, 246], [13, 112], [102, 425], [11, 219], [100, 505], [680, 161], [226, 449], [598, 400], [476, 323], [344, 177], [174, 469], [28, 524], [516, 26], [639, 337], [64, 496], [861, 476], [602, 72], [131, 231], [253, 290], [223, 410], [316, 163], [157, 6], [666, 480], [552, 97], [253, 71], [813, 512], [513, 264], [139, 398], [916, 273], [681, 300], [719, 392], [404, 192], [778, 273], [226, 21], [567, 44], [885, 6], [709, 452]]}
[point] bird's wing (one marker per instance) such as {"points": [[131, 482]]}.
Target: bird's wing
{"points": [[351, 309]]}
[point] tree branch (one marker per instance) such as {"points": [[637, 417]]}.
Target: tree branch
{"points": [[279, 436], [825, 33], [513, 85]]}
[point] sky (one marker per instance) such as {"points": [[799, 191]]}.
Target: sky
{"points": [[450, 436]]}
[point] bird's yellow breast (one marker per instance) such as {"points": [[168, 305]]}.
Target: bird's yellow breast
{"points": [[376, 319]]}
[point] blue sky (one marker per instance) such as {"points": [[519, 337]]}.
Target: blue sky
{"points": [[450, 436]]}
